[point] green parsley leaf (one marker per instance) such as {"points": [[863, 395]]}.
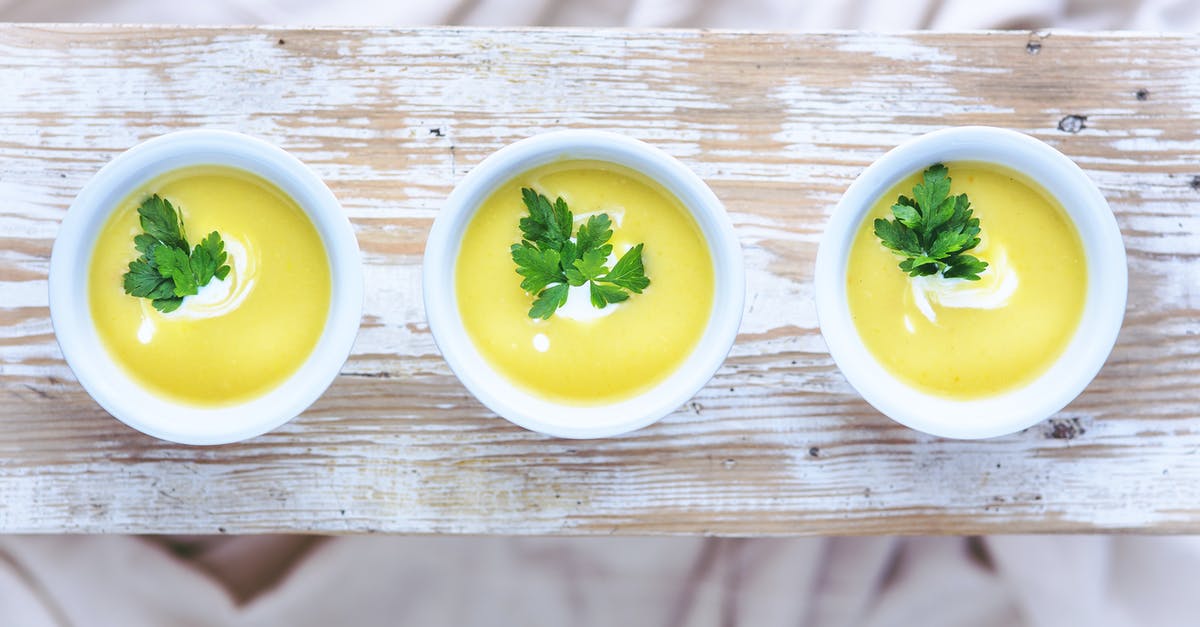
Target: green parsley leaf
{"points": [[174, 264], [547, 225], [144, 281], [589, 267], [603, 294], [931, 192], [568, 253], [167, 269], [539, 267], [167, 305], [898, 237], [160, 221], [594, 233], [552, 262], [629, 272], [208, 259], [145, 243], [963, 266], [933, 230], [549, 301], [906, 212]]}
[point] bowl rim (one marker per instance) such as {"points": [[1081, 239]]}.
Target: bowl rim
{"points": [[526, 409], [1092, 340], [107, 382]]}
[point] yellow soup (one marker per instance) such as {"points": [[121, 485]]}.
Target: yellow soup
{"points": [[969, 339], [239, 337], [578, 360]]}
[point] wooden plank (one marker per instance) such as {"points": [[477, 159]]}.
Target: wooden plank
{"points": [[779, 124]]}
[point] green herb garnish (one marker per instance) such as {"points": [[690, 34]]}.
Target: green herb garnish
{"points": [[168, 270], [933, 230], [552, 262]]}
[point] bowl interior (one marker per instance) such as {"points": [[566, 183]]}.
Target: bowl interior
{"points": [[1091, 342], [529, 410], [107, 382]]}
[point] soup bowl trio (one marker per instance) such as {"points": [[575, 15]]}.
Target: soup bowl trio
{"points": [[206, 287]]}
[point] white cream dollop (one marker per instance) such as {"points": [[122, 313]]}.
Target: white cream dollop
{"points": [[217, 298], [579, 305], [579, 299], [993, 290]]}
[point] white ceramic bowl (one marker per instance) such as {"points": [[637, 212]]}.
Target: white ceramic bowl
{"points": [[107, 382], [1087, 351], [534, 412]]}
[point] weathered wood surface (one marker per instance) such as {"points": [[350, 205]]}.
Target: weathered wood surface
{"points": [[777, 124]]}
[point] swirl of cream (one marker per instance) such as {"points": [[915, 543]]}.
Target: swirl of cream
{"points": [[217, 298], [579, 301], [993, 290]]}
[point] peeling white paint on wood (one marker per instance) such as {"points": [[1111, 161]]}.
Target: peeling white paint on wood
{"points": [[779, 125]]}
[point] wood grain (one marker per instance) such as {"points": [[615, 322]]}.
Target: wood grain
{"points": [[778, 124]]}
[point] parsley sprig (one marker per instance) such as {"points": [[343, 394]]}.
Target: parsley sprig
{"points": [[168, 270], [933, 230], [552, 262]]}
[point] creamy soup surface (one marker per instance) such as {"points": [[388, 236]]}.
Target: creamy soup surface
{"points": [[970, 339], [239, 337], [580, 355]]}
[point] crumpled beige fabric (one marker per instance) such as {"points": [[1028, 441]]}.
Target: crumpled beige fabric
{"points": [[1043, 581], [1156, 15], [671, 582]]}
